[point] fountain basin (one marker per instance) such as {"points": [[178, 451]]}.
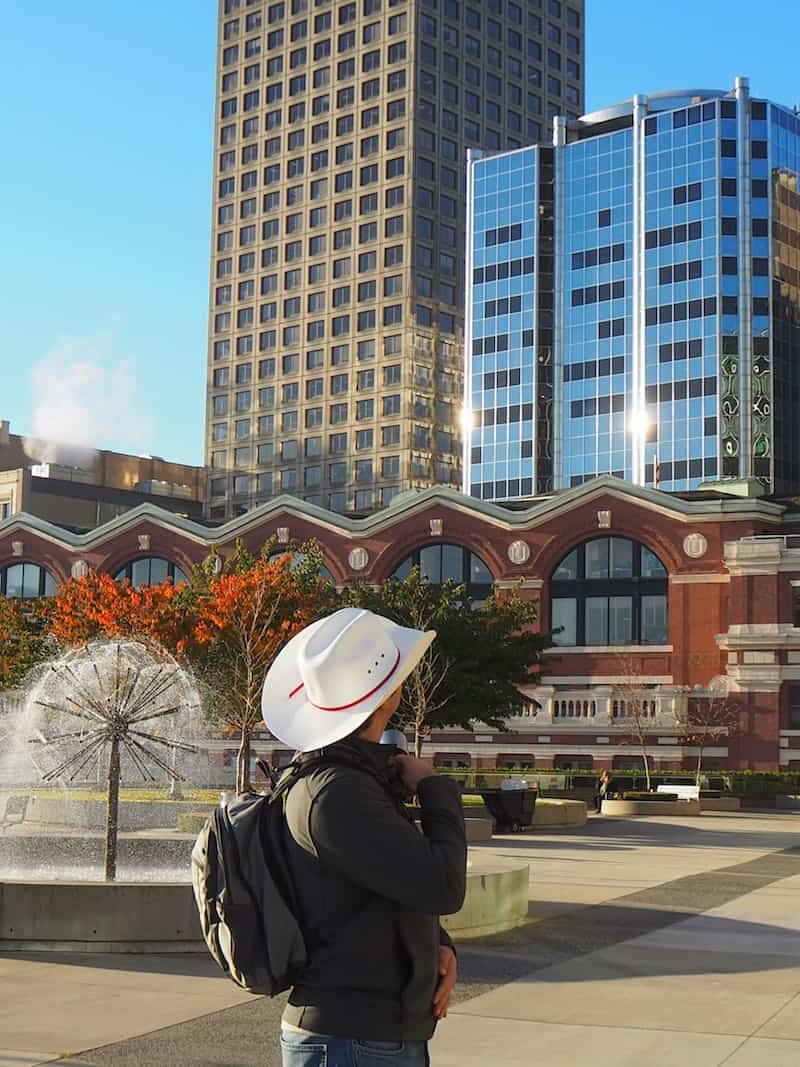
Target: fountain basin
{"points": [[99, 917], [162, 917]]}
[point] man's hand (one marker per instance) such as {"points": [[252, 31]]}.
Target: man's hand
{"points": [[413, 770], [448, 976]]}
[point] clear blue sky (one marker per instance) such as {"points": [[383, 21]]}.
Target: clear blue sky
{"points": [[105, 184]]}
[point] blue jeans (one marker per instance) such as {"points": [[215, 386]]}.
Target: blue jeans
{"points": [[313, 1050]]}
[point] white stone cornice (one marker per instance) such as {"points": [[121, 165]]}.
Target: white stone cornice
{"points": [[766, 635], [710, 578], [518, 583]]}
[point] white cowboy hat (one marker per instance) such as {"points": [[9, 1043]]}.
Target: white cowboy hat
{"points": [[328, 680]]}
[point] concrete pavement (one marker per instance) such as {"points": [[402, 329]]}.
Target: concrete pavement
{"points": [[651, 940]]}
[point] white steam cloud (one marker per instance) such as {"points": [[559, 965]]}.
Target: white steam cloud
{"points": [[84, 398]]}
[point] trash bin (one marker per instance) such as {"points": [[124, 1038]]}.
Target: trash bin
{"points": [[511, 809]]}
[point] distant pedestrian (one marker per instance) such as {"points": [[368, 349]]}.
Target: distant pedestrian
{"points": [[603, 789]]}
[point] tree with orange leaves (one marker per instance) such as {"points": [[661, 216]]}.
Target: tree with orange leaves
{"points": [[99, 606], [246, 614], [22, 640]]}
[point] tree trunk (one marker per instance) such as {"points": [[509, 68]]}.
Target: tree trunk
{"points": [[175, 790], [699, 764], [646, 761], [112, 812], [243, 763], [418, 739]]}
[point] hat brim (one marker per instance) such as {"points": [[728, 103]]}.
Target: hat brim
{"points": [[296, 722]]}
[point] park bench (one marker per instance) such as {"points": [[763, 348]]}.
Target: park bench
{"points": [[682, 792], [14, 813]]}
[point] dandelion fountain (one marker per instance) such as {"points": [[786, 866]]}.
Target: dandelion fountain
{"points": [[77, 869]]}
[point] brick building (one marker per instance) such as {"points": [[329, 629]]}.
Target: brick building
{"points": [[672, 590]]}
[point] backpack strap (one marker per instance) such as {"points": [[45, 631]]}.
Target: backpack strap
{"points": [[301, 767]]}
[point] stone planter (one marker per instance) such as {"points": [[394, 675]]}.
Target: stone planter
{"points": [[651, 807], [720, 804]]}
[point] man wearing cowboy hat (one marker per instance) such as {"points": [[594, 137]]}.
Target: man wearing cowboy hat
{"points": [[369, 887]]}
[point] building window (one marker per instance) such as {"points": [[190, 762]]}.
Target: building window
{"points": [[442, 563], [794, 707], [25, 581], [152, 570], [609, 591]]}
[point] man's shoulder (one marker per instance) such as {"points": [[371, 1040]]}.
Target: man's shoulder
{"points": [[336, 776]]}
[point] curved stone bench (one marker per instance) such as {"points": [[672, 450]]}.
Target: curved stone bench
{"points": [[651, 807], [479, 829], [497, 899], [552, 812]]}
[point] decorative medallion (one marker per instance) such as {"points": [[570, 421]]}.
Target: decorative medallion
{"points": [[519, 551], [604, 520], [437, 525], [283, 534], [79, 569], [144, 542], [695, 545], [17, 548], [215, 562], [358, 558]]}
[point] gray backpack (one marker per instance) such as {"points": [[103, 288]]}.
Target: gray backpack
{"points": [[243, 889]]}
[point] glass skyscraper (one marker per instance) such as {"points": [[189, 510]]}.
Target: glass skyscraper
{"points": [[633, 300]]}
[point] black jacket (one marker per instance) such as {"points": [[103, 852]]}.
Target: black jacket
{"points": [[369, 892]]}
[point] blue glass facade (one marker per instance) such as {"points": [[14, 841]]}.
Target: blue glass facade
{"points": [[502, 252], [674, 339], [595, 216]]}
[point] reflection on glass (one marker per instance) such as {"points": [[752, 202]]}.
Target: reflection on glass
{"points": [[597, 558], [620, 620], [450, 562], [14, 580], [297, 559], [159, 569], [564, 613], [26, 581], [152, 570], [596, 620], [31, 575], [452, 566], [567, 570], [654, 620], [652, 567], [140, 573], [430, 564], [621, 557], [404, 569], [480, 573]]}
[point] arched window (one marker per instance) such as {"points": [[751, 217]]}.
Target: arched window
{"points": [[445, 562], [609, 591], [324, 573], [26, 581], [152, 570]]}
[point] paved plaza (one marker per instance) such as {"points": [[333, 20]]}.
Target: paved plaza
{"points": [[651, 942]]}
